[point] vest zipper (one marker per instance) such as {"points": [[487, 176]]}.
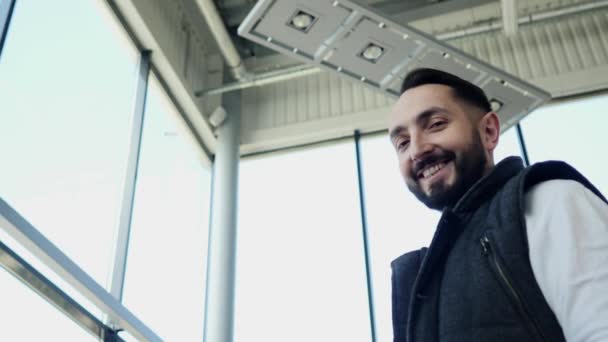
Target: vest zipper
{"points": [[500, 271]]}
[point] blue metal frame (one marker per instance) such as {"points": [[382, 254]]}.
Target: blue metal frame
{"points": [[362, 210], [522, 144], [6, 13]]}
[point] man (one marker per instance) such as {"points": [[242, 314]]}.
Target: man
{"points": [[519, 254]]}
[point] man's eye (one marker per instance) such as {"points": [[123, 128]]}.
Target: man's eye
{"points": [[437, 124], [403, 144]]}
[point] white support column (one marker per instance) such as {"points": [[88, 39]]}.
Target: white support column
{"points": [[221, 263]]}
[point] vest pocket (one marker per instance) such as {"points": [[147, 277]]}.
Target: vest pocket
{"points": [[503, 278]]}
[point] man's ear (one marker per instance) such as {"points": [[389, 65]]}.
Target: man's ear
{"points": [[489, 129]]}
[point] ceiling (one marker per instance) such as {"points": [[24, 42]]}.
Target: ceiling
{"points": [[564, 53], [233, 12]]}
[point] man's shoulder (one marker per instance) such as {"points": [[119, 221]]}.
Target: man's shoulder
{"points": [[562, 195], [549, 170], [551, 194], [555, 178], [555, 188], [409, 260]]}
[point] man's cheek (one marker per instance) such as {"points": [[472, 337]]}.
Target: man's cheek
{"points": [[453, 174]]}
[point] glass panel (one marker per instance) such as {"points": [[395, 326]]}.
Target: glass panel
{"points": [[397, 221], [165, 278], [28, 317], [66, 91], [507, 145], [301, 268], [572, 131]]}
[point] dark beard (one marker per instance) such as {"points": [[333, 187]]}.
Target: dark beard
{"points": [[469, 168]]}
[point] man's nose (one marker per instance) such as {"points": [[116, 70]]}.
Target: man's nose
{"points": [[418, 149]]}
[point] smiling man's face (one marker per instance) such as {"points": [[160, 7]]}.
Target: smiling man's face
{"points": [[440, 144]]}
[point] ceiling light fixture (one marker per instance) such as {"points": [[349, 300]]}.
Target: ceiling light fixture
{"points": [[495, 105], [302, 21], [372, 52]]}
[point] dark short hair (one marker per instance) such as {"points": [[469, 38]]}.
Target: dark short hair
{"points": [[464, 90]]}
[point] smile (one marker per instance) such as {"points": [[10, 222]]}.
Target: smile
{"points": [[431, 170]]}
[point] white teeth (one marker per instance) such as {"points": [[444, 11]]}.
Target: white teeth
{"points": [[432, 170]]}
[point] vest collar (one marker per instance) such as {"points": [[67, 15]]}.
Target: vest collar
{"points": [[487, 186], [451, 223]]}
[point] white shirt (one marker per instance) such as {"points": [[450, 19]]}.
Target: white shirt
{"points": [[567, 228]]}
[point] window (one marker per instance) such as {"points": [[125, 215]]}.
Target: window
{"points": [[573, 131], [166, 264], [66, 91], [397, 222], [300, 262], [507, 145]]}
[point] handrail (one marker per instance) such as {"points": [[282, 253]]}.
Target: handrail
{"points": [[43, 249]]}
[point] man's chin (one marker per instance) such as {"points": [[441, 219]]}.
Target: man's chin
{"points": [[435, 202], [459, 174], [434, 199]]}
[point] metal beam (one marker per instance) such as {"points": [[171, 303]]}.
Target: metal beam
{"points": [[29, 276], [403, 12], [224, 41], [43, 249], [6, 12], [398, 10], [261, 79], [526, 19], [510, 19], [121, 247]]}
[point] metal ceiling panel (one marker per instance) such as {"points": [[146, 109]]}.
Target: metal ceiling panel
{"points": [[509, 95], [353, 44], [340, 31], [276, 27], [443, 61]]}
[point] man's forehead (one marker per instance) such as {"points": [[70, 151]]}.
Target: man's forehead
{"points": [[419, 99]]}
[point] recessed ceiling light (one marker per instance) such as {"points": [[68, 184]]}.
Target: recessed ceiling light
{"points": [[372, 52], [495, 105], [302, 21]]}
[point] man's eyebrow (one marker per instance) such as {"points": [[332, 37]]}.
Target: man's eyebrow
{"points": [[396, 131], [421, 117]]}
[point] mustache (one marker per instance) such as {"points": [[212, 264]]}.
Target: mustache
{"points": [[432, 159]]}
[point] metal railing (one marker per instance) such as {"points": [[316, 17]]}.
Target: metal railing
{"points": [[51, 256]]}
